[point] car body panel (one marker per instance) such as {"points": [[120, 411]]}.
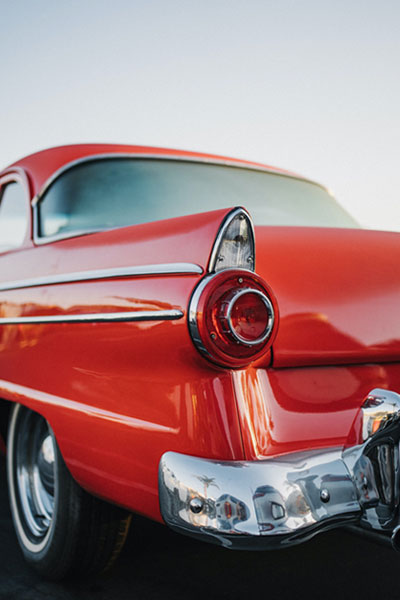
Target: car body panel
{"points": [[290, 410], [338, 292], [161, 242], [119, 395], [91, 380], [113, 452]]}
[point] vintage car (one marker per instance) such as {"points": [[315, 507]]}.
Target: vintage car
{"points": [[162, 356]]}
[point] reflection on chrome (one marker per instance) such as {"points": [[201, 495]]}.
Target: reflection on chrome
{"points": [[97, 274], [270, 499], [376, 463], [286, 500], [121, 317], [379, 407]]}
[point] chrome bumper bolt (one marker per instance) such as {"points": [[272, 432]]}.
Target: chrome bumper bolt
{"points": [[325, 495], [196, 505]]}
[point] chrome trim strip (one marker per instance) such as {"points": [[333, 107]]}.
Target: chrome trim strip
{"points": [[18, 175], [270, 310], [127, 316], [193, 308], [169, 157], [109, 155], [192, 314], [137, 271]]}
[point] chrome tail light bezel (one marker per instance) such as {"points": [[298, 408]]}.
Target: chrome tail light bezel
{"points": [[270, 310], [248, 351]]}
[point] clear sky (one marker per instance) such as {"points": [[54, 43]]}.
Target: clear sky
{"points": [[308, 85]]}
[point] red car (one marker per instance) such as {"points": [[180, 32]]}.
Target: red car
{"points": [[162, 356]]}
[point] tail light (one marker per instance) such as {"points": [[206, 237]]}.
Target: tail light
{"points": [[234, 246], [233, 317]]}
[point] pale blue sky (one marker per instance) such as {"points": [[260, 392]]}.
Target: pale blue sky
{"points": [[312, 86]]}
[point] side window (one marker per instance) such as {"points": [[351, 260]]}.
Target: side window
{"points": [[13, 216]]}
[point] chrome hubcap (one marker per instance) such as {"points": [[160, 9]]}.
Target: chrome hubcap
{"points": [[35, 474]]}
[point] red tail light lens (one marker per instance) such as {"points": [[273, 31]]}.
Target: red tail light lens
{"points": [[233, 317], [250, 316]]}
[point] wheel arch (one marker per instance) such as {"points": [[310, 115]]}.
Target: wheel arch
{"points": [[6, 407], [50, 511]]}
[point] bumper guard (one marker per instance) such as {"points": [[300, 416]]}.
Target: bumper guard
{"points": [[286, 500]]}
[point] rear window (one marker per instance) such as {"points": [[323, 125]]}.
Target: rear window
{"points": [[116, 192]]}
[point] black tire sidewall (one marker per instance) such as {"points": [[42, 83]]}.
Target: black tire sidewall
{"points": [[55, 557]]}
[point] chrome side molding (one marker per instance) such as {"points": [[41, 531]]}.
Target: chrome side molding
{"points": [[113, 273], [110, 317], [285, 500]]}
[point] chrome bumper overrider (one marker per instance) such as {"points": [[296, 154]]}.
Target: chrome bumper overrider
{"points": [[285, 500]]}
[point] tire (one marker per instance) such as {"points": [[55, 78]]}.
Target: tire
{"points": [[61, 529]]}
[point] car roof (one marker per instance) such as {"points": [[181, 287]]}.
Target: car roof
{"points": [[44, 165]]}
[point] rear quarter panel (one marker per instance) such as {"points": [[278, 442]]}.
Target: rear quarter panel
{"points": [[118, 395]]}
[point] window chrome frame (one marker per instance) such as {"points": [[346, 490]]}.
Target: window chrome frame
{"points": [[41, 240], [18, 176]]}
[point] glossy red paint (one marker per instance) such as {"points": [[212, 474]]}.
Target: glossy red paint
{"points": [[288, 410], [114, 452], [119, 395], [338, 292], [183, 239]]}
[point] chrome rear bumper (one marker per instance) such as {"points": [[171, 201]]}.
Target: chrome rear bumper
{"points": [[285, 500]]}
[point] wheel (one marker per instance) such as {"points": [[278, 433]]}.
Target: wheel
{"points": [[61, 529]]}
